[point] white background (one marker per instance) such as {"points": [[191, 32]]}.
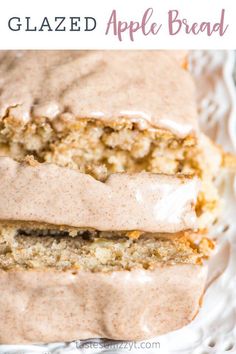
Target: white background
{"points": [[193, 10]]}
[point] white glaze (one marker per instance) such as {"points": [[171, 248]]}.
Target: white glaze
{"points": [[107, 85], [60, 196]]}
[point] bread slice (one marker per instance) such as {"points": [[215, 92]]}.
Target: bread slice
{"points": [[106, 112], [57, 288]]}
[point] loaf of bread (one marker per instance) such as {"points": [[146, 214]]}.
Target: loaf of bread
{"points": [[106, 193]]}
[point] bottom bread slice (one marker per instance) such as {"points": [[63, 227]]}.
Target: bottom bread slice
{"points": [[58, 288]]}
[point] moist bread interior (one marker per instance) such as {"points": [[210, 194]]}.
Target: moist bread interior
{"points": [[97, 251]]}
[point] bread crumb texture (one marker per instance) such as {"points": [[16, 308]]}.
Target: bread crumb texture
{"points": [[98, 251]]}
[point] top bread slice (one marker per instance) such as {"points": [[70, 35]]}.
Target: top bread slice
{"points": [[106, 112]]}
